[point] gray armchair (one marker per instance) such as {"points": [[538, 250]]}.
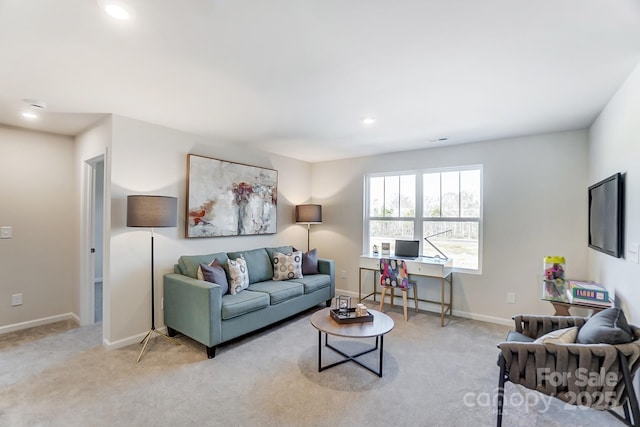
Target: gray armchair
{"points": [[564, 370]]}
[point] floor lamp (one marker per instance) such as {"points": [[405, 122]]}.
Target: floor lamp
{"points": [[308, 214], [151, 212]]}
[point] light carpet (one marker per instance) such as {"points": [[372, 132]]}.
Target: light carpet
{"points": [[60, 375]]}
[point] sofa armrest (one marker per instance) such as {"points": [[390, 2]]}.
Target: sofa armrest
{"points": [[536, 326], [328, 266], [193, 307]]}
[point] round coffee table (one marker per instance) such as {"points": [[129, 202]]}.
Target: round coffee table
{"points": [[381, 324]]}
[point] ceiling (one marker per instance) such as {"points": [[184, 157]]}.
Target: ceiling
{"points": [[295, 77]]}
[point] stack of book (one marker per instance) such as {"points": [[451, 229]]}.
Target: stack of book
{"points": [[587, 293]]}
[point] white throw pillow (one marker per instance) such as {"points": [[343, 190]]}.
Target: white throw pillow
{"points": [[239, 275], [287, 266], [560, 336]]}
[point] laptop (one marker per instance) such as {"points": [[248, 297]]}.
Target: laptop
{"points": [[407, 249]]}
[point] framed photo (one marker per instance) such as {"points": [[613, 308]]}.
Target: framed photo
{"points": [[229, 199]]}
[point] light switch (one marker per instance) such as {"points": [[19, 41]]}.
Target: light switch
{"points": [[633, 252], [5, 232]]}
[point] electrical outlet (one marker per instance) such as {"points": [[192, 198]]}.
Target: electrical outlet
{"points": [[343, 274], [511, 297], [6, 232], [16, 299]]}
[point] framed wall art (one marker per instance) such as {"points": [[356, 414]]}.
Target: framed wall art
{"points": [[229, 199]]}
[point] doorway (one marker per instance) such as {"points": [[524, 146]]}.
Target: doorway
{"points": [[92, 256], [98, 235]]}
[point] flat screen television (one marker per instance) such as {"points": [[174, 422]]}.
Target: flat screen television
{"points": [[606, 216]]}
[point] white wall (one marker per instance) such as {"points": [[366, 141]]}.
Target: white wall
{"points": [[40, 261], [151, 159], [90, 145], [615, 147], [534, 205]]}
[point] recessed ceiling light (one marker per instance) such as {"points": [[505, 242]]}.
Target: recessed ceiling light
{"points": [[117, 9], [29, 115], [367, 121]]}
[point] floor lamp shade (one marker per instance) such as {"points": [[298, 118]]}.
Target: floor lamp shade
{"points": [[152, 211], [309, 214]]}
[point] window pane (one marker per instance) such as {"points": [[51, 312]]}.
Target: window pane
{"points": [[407, 196], [431, 194], [391, 196], [451, 194], [458, 241], [470, 193], [389, 231], [376, 196]]}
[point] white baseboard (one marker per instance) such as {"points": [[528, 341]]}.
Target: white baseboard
{"points": [[39, 322], [135, 339], [435, 308]]}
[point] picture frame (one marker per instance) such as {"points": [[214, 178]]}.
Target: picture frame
{"points": [[229, 199]]}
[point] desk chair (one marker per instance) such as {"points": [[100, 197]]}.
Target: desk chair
{"points": [[393, 274]]}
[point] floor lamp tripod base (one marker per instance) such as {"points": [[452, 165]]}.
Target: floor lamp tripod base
{"points": [[147, 337]]}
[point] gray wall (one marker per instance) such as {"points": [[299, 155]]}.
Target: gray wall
{"points": [[534, 205], [37, 196], [615, 147]]}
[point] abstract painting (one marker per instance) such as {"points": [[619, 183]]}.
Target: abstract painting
{"points": [[229, 199]]}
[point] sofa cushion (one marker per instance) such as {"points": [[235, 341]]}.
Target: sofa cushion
{"points": [[559, 336], [606, 327], [239, 275], [243, 302], [278, 291], [281, 249], [314, 282], [214, 273], [287, 266], [259, 264], [189, 264], [310, 262]]}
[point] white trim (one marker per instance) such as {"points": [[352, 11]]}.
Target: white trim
{"points": [[135, 339], [435, 308], [39, 322], [483, 318]]}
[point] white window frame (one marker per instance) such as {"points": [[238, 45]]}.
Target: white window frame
{"points": [[418, 218]]}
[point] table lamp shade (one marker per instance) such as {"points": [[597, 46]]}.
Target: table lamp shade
{"points": [[309, 214], [152, 211]]}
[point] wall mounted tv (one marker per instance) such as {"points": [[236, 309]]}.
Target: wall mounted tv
{"points": [[606, 215]]}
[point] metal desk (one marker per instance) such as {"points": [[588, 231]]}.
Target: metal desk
{"points": [[422, 266]]}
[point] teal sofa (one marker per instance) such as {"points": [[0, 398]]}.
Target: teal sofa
{"points": [[198, 309]]}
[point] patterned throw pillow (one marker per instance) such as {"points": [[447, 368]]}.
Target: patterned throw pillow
{"points": [[287, 266], [239, 275]]}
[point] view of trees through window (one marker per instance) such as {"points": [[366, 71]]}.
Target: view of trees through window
{"points": [[443, 206]]}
